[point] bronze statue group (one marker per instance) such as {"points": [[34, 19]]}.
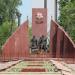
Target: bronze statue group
{"points": [[39, 44]]}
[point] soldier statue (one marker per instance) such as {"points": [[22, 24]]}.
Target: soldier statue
{"points": [[45, 43], [42, 43]]}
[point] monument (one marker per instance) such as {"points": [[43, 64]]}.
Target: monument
{"points": [[39, 21]]}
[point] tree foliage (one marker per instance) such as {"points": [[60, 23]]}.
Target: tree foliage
{"points": [[67, 16], [30, 32], [8, 9]]}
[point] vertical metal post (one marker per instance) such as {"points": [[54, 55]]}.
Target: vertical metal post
{"points": [[19, 17], [45, 3], [18, 21], [56, 10]]}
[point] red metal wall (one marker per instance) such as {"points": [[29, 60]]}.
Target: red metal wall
{"points": [[41, 28], [61, 45], [69, 47], [53, 39], [17, 46]]}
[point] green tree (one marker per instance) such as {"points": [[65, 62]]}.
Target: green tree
{"points": [[30, 32], [67, 16], [8, 9]]}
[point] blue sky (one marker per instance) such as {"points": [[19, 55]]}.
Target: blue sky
{"points": [[27, 5], [25, 9]]}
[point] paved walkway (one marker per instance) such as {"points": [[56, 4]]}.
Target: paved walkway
{"points": [[64, 69], [29, 73], [72, 66], [6, 65]]}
